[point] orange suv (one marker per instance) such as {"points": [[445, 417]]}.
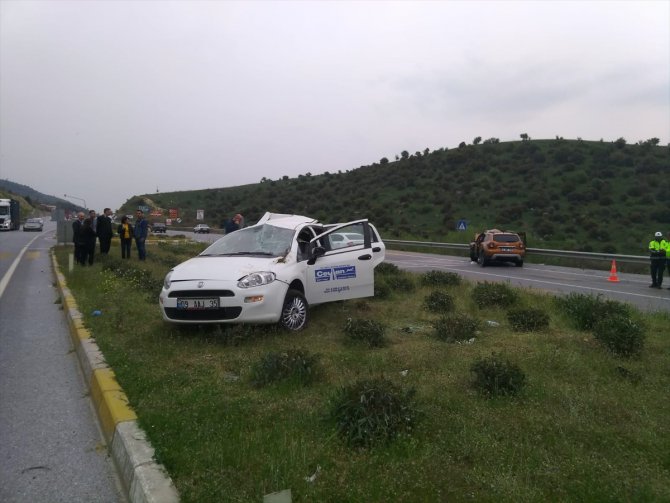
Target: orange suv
{"points": [[495, 245]]}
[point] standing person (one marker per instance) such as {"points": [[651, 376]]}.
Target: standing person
{"points": [[657, 251], [231, 226], [94, 220], [126, 235], [103, 228], [77, 239], [141, 232], [87, 239]]}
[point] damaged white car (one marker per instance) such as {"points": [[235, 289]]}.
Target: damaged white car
{"points": [[272, 272]]}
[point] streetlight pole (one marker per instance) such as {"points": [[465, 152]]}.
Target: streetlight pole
{"points": [[80, 198]]}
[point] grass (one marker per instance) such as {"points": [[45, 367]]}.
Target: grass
{"points": [[580, 430]]}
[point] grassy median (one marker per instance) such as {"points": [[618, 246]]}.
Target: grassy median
{"points": [[588, 424]]}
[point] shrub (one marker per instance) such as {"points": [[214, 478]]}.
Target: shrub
{"points": [[439, 301], [387, 268], [585, 311], [494, 294], [440, 278], [456, 327], [621, 334], [372, 411], [497, 376], [528, 319], [296, 364], [402, 282], [382, 290], [370, 332]]}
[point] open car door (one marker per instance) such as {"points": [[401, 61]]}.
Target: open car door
{"points": [[342, 262]]}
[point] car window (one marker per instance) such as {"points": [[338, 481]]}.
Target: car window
{"points": [[257, 240], [506, 238]]}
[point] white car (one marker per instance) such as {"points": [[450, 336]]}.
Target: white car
{"points": [[33, 224], [344, 239], [272, 272], [201, 229]]}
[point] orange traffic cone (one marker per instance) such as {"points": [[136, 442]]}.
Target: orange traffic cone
{"points": [[613, 277]]}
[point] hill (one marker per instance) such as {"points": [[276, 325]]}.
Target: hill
{"points": [[32, 196], [567, 194]]}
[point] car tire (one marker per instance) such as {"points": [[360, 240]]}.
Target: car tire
{"points": [[294, 311], [519, 263], [481, 260]]}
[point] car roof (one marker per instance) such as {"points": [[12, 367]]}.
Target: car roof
{"points": [[285, 221]]}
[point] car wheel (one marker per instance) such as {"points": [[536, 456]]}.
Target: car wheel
{"points": [[481, 260], [519, 263], [294, 311]]}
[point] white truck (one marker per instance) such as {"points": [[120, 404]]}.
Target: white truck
{"points": [[10, 215]]}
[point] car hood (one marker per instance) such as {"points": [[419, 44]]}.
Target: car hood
{"points": [[221, 268]]}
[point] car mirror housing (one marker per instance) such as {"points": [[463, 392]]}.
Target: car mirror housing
{"points": [[318, 251]]}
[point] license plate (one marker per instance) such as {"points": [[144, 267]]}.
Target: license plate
{"points": [[198, 304], [507, 248]]}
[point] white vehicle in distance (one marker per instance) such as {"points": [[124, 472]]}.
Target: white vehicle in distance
{"points": [[344, 239], [272, 272], [201, 229], [33, 224]]}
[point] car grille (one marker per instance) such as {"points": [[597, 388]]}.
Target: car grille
{"points": [[224, 313], [189, 294]]}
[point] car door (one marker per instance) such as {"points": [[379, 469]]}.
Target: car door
{"points": [[339, 272]]}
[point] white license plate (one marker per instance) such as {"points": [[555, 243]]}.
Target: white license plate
{"points": [[507, 248], [198, 304]]}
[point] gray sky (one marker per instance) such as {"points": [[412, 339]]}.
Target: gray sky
{"points": [[107, 99]]}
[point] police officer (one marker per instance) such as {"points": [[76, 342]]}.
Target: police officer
{"points": [[657, 251]]}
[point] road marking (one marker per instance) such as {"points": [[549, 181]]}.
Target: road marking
{"points": [[10, 272]]}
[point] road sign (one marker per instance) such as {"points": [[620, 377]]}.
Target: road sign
{"points": [[462, 225], [199, 214]]}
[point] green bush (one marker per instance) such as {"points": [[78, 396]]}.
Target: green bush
{"points": [[621, 334], [294, 364], [370, 332], [494, 294], [497, 376], [528, 319], [403, 282], [456, 327], [382, 289], [439, 301], [373, 411], [387, 268], [440, 278], [585, 311]]}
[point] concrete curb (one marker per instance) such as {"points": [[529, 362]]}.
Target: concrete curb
{"points": [[145, 480]]}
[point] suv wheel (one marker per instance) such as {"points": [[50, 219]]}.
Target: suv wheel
{"points": [[294, 311], [519, 263], [481, 260]]}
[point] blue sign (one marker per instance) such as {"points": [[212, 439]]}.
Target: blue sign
{"points": [[323, 274], [345, 271], [462, 225]]}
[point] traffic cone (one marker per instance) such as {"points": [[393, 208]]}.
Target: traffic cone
{"points": [[613, 277]]}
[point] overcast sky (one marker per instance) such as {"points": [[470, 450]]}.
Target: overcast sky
{"points": [[104, 100]]}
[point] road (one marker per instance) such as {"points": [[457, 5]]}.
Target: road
{"points": [[51, 448], [632, 288]]}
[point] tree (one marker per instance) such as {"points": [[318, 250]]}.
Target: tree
{"points": [[653, 141], [524, 137], [462, 145], [477, 140], [404, 154], [383, 161], [620, 143]]}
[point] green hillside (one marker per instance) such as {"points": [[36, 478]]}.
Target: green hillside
{"points": [[567, 194]]}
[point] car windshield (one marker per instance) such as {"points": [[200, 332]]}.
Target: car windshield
{"points": [[32, 221], [257, 240], [506, 238]]}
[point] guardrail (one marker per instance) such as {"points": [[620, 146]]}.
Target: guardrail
{"points": [[634, 259]]}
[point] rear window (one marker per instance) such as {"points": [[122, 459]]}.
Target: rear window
{"points": [[506, 238]]}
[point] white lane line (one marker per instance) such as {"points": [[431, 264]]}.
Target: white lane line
{"points": [[8, 275]]}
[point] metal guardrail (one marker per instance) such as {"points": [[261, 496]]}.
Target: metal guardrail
{"points": [[635, 259]]}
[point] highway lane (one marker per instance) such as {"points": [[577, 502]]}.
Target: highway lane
{"points": [[51, 448], [632, 288]]}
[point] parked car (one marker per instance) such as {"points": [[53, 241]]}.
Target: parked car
{"points": [[495, 245], [33, 224], [201, 229], [158, 227], [344, 239], [272, 272]]}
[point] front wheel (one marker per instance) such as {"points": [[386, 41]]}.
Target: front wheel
{"points": [[481, 260], [294, 312], [519, 263]]}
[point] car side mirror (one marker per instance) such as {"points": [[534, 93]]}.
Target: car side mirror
{"points": [[318, 251]]}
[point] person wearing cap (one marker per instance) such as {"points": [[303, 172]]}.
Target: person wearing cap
{"points": [[657, 252]]}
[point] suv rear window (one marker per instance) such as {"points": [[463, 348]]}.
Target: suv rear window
{"points": [[506, 238]]}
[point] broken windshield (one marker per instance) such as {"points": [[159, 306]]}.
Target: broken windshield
{"points": [[257, 240]]}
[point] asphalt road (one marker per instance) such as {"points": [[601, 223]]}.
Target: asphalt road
{"points": [[51, 448]]}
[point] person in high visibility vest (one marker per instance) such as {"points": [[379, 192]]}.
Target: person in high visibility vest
{"points": [[667, 253], [657, 253]]}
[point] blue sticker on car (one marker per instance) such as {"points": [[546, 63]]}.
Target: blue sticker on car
{"points": [[335, 273]]}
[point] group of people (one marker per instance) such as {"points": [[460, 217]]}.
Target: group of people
{"points": [[659, 251], [87, 230]]}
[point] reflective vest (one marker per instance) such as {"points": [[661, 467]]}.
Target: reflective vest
{"points": [[658, 246]]}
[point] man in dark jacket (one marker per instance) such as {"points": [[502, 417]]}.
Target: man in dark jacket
{"points": [[141, 232], [104, 230], [77, 238]]}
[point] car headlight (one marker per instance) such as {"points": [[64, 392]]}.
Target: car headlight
{"points": [[256, 279], [166, 281]]}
